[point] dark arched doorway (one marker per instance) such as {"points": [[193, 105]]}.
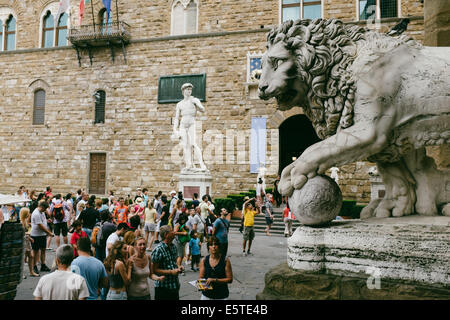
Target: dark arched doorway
{"points": [[296, 134]]}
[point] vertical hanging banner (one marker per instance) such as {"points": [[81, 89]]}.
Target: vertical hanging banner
{"points": [[81, 10], [258, 144], [107, 4], [63, 6]]}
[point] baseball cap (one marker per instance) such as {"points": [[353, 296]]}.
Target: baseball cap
{"points": [[138, 199], [173, 191]]}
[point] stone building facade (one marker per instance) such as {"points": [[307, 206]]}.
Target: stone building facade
{"points": [[135, 135]]}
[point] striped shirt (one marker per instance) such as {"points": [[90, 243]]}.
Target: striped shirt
{"points": [[166, 258]]}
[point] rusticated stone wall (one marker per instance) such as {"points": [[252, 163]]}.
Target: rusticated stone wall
{"points": [[136, 132]]}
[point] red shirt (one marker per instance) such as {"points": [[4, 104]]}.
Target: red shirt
{"points": [[73, 240], [286, 213], [121, 214]]}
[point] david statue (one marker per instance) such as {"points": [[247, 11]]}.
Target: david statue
{"points": [[185, 129], [369, 96]]}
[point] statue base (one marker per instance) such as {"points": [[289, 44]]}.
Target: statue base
{"points": [[390, 258], [194, 181]]}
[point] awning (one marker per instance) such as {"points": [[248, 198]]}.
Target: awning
{"points": [[7, 199]]}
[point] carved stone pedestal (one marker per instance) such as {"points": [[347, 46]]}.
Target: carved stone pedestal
{"points": [[192, 181], [391, 258]]}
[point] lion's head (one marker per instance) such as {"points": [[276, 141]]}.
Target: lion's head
{"points": [[306, 64]]}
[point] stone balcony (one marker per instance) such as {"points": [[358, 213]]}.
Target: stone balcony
{"points": [[116, 33]]}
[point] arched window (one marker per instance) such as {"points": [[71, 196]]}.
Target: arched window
{"points": [[100, 100], [10, 34], [184, 17], [1, 35], [48, 30], [105, 24], [39, 107], [61, 30]]}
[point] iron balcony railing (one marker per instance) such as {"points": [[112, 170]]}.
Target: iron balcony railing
{"points": [[112, 31]]}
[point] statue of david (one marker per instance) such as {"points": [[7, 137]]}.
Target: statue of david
{"points": [[185, 129]]}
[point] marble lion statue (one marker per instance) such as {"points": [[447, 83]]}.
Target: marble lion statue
{"points": [[369, 97]]}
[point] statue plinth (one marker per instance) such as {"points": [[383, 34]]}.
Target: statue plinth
{"points": [[378, 258], [194, 180]]}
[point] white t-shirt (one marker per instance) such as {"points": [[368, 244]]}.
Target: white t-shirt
{"points": [[199, 222], [61, 285], [204, 210], [37, 218], [113, 237]]}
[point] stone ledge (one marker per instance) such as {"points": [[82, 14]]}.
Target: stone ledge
{"points": [[412, 248], [284, 283]]}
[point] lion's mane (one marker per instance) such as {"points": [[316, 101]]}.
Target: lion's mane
{"points": [[324, 51]]}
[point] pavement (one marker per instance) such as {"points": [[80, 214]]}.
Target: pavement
{"points": [[248, 271]]}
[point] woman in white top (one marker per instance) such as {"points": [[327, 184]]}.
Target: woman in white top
{"points": [[150, 224]]}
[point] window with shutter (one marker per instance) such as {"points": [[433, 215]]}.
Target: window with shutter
{"points": [[100, 100], [39, 107], [169, 87]]}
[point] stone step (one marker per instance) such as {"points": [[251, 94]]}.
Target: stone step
{"points": [[260, 224]]}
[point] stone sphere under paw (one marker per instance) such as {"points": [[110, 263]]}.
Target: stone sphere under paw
{"points": [[318, 202]]}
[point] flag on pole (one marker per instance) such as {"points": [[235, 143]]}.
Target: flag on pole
{"points": [[107, 4], [63, 6], [81, 10]]}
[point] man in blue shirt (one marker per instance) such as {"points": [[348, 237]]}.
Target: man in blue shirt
{"points": [[220, 230], [89, 268]]}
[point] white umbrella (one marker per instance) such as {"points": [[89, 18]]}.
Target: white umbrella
{"points": [[6, 199]]}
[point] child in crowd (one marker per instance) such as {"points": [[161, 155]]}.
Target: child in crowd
{"points": [[194, 248]]}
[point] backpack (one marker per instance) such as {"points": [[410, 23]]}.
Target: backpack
{"points": [[94, 236], [58, 212], [184, 238]]}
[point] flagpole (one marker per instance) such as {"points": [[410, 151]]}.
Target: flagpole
{"points": [[117, 13], [93, 18]]}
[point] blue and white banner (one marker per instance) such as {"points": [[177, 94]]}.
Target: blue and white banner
{"points": [[258, 144]]}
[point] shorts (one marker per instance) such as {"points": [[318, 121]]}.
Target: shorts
{"points": [[61, 228], [249, 233], [149, 227], [113, 295], [269, 221], [50, 226], [195, 259], [39, 243], [180, 248], [157, 226]]}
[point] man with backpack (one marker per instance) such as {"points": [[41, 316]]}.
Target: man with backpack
{"points": [[60, 219], [220, 230], [106, 228]]}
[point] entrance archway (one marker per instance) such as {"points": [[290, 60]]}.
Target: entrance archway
{"points": [[296, 134]]}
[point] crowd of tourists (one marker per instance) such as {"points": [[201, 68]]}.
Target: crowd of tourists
{"points": [[108, 248]]}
